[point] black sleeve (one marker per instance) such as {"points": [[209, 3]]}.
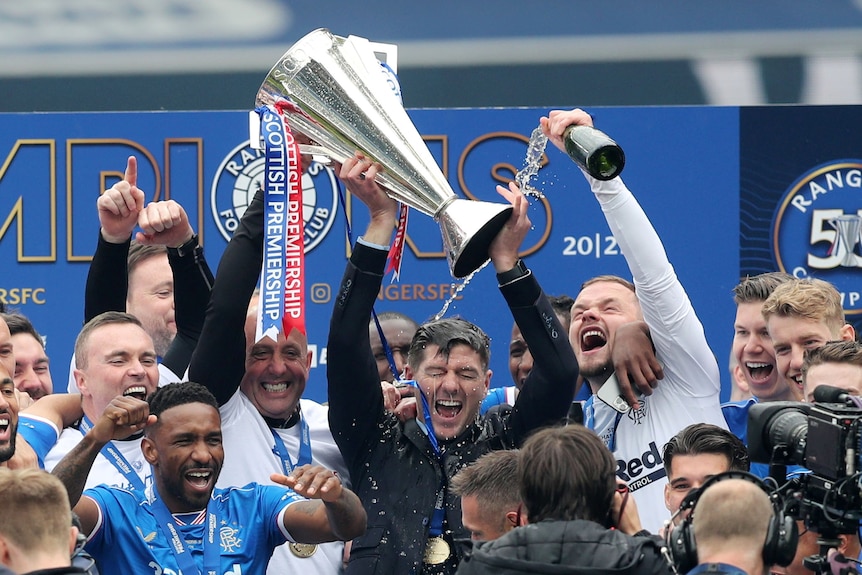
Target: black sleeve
{"points": [[107, 279], [193, 281], [550, 388], [218, 361], [355, 399]]}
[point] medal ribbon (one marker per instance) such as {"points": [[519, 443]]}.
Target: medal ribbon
{"points": [[280, 449], [170, 529], [396, 250], [117, 459]]}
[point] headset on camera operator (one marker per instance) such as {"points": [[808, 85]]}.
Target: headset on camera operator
{"points": [[734, 526]]}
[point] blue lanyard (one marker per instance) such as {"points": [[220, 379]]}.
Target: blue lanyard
{"points": [[386, 349], [117, 459], [436, 526], [280, 449], [212, 551]]}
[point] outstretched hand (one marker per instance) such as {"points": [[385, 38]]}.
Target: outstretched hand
{"points": [[120, 205], [359, 176], [312, 482]]}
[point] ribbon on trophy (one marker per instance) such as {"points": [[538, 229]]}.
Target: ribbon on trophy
{"points": [[282, 289], [396, 250]]}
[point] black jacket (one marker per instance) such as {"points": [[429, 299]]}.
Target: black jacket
{"points": [[392, 465], [566, 547]]}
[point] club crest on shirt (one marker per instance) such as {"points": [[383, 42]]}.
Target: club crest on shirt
{"points": [[230, 543]]}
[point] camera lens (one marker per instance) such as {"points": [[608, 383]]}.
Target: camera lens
{"points": [[789, 428]]}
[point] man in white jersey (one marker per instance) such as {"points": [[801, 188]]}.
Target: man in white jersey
{"points": [[689, 391], [115, 357]]}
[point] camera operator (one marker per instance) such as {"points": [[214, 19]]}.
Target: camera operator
{"points": [[729, 530], [837, 364]]}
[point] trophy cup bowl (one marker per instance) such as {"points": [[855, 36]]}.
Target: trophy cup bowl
{"points": [[338, 97]]}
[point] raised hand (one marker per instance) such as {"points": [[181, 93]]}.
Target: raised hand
{"points": [[124, 416], [312, 482], [164, 223], [120, 205]]}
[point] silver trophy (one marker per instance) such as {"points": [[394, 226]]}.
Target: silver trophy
{"points": [[848, 229], [339, 98]]}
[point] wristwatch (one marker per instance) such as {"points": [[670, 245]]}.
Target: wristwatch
{"points": [[520, 270], [186, 249]]}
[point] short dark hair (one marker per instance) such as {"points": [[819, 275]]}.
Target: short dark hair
{"points": [[491, 478], [562, 305], [106, 318], [140, 252], [849, 352], [700, 438], [567, 473], [19, 323], [754, 289], [612, 279], [447, 333], [182, 393]]}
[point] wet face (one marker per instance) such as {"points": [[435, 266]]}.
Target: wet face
{"points": [[120, 361], [520, 358], [275, 371], [481, 527], [8, 415], [151, 300], [398, 333], [454, 387], [32, 373], [185, 450], [752, 348], [791, 337], [846, 376], [599, 310], [689, 472]]}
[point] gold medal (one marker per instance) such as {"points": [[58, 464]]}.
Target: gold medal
{"points": [[303, 550], [436, 551]]}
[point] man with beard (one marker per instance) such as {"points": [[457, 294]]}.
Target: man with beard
{"points": [[689, 392], [32, 371], [8, 415], [183, 523], [401, 470]]}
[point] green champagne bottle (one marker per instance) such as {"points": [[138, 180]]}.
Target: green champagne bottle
{"points": [[594, 151]]}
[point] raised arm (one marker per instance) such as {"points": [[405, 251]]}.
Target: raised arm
{"points": [[123, 416], [218, 361], [549, 389], [355, 400], [332, 512], [166, 223], [107, 278]]}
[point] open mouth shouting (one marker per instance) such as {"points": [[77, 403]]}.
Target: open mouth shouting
{"points": [[758, 372], [200, 480], [136, 391], [448, 408], [592, 338]]}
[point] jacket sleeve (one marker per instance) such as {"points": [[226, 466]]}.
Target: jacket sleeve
{"points": [[355, 399], [107, 279], [193, 281], [218, 361], [551, 386]]}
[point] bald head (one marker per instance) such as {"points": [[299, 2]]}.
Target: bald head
{"points": [[731, 515]]}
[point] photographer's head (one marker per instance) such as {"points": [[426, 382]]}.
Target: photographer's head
{"points": [[836, 363], [490, 499], [567, 473], [803, 314], [41, 535], [695, 454]]}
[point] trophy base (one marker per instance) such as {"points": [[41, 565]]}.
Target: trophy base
{"points": [[468, 228]]}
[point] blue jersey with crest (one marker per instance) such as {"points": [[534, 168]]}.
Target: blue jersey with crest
{"points": [[129, 538]]}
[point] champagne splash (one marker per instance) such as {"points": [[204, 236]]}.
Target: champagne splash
{"points": [[457, 289], [532, 163]]}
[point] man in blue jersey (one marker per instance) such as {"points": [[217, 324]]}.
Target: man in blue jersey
{"points": [[182, 523]]}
